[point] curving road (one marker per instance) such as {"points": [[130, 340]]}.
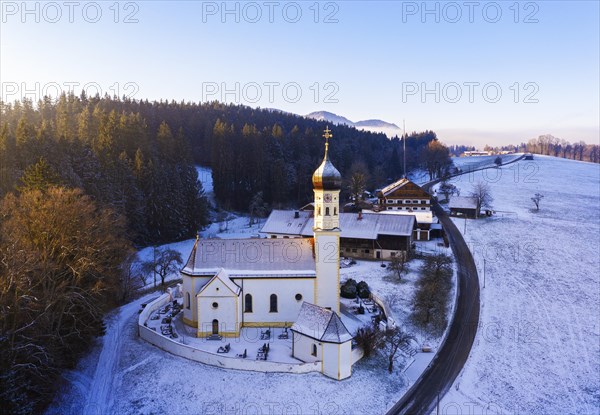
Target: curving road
{"points": [[450, 359], [439, 376]]}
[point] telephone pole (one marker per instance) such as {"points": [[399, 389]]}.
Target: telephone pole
{"points": [[404, 145]]}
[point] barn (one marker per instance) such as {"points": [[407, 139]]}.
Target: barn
{"points": [[463, 206]]}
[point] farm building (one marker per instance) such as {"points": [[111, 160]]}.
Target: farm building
{"points": [[463, 206], [363, 235], [404, 197]]}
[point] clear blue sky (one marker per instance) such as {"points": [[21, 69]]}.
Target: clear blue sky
{"points": [[377, 58]]}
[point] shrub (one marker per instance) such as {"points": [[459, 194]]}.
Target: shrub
{"points": [[363, 290], [367, 338], [349, 289]]}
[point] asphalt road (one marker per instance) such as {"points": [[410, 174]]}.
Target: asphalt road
{"points": [[443, 370]]}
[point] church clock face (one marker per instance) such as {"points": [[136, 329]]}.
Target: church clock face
{"points": [[327, 198]]}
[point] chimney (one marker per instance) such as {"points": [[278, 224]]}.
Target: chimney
{"points": [[296, 215]]}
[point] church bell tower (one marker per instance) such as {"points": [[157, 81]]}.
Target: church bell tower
{"points": [[327, 183]]}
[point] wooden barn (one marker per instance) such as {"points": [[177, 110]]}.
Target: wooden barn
{"points": [[463, 206]]}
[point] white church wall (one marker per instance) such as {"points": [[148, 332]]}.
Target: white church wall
{"points": [[303, 348], [346, 360], [328, 269], [191, 286], [219, 360], [337, 360], [286, 290], [330, 360], [222, 309]]}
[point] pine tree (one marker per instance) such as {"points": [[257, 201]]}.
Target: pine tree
{"points": [[39, 176]]}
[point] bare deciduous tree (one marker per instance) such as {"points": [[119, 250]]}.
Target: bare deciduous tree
{"points": [[433, 290], [60, 268], [357, 184], [482, 193], [367, 338], [537, 198], [398, 264], [448, 189], [391, 341], [164, 262]]}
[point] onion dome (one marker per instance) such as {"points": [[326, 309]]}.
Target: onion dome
{"points": [[327, 177]]}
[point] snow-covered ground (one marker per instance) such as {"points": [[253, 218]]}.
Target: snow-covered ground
{"points": [[478, 162], [537, 349]]}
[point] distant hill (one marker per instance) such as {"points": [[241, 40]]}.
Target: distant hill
{"points": [[376, 126]]}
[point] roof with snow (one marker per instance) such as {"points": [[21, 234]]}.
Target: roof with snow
{"points": [[352, 225], [425, 216], [252, 257], [408, 187], [222, 276], [321, 324], [394, 186], [462, 202]]}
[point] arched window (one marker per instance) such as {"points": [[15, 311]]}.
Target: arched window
{"points": [[273, 308], [327, 211], [314, 350], [187, 301], [248, 304], [319, 211], [334, 211]]}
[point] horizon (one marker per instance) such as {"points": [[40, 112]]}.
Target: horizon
{"points": [[488, 73]]}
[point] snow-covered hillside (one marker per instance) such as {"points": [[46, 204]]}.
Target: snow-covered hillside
{"points": [[537, 349], [478, 162]]}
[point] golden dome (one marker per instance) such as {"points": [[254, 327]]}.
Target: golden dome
{"points": [[327, 177]]}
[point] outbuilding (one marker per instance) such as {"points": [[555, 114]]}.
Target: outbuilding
{"points": [[463, 206]]}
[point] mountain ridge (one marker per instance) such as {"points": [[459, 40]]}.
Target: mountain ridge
{"points": [[373, 125]]}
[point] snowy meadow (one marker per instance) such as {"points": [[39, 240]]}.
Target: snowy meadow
{"points": [[537, 349]]}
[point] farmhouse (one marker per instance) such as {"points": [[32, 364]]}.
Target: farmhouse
{"points": [[229, 284], [463, 206], [404, 197], [362, 235]]}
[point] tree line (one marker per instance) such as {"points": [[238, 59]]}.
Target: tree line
{"points": [[142, 170], [553, 146]]}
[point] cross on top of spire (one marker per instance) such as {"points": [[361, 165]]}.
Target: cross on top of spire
{"points": [[327, 136]]}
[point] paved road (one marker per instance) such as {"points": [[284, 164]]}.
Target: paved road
{"points": [[422, 397], [450, 359]]}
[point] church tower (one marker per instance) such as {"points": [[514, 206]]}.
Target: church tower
{"points": [[327, 183]]}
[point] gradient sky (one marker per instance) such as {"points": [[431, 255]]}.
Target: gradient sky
{"points": [[367, 55]]}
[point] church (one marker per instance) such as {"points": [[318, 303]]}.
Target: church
{"points": [[229, 284]]}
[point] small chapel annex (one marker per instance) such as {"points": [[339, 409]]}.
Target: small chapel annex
{"points": [[229, 284]]}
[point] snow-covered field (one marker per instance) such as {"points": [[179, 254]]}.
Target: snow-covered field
{"points": [[478, 162], [537, 349]]}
